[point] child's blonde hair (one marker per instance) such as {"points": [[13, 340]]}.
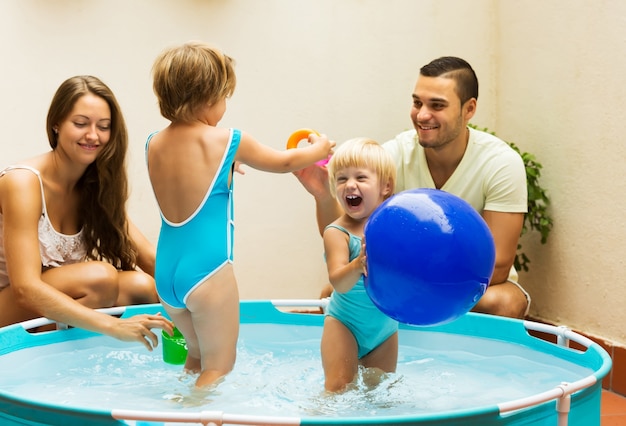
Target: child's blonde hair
{"points": [[190, 76], [362, 152]]}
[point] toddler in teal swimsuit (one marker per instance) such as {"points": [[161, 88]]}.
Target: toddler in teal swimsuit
{"points": [[190, 164], [356, 332]]}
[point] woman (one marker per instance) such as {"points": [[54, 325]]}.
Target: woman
{"points": [[66, 244]]}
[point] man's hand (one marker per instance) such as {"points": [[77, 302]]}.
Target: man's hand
{"points": [[314, 178]]}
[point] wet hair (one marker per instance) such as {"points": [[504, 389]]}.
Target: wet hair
{"points": [[104, 185], [191, 76], [458, 70], [362, 152]]}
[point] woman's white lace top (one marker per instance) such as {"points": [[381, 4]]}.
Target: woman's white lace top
{"points": [[56, 249]]}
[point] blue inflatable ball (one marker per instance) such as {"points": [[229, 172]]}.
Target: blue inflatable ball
{"points": [[430, 257]]}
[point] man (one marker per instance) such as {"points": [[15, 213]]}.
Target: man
{"points": [[443, 152]]}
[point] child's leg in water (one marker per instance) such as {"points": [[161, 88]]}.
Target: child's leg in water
{"points": [[214, 308], [339, 355], [182, 321], [383, 359]]}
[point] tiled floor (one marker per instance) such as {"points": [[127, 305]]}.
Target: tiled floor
{"points": [[613, 409]]}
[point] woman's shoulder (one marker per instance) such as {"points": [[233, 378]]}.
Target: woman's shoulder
{"points": [[20, 187], [19, 174], [25, 171]]}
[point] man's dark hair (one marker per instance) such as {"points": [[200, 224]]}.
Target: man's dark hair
{"points": [[458, 70]]}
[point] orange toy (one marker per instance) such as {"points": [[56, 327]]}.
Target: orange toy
{"points": [[299, 135], [303, 134]]}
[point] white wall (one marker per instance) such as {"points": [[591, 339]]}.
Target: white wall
{"points": [[347, 69]]}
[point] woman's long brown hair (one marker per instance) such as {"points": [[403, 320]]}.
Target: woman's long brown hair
{"points": [[104, 185]]}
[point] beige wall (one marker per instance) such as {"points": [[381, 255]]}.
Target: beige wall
{"points": [[347, 69], [561, 95]]}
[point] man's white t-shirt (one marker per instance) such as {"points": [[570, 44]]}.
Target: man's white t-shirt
{"points": [[491, 175]]}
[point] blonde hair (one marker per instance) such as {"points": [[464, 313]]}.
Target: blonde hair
{"points": [[362, 152], [190, 76]]}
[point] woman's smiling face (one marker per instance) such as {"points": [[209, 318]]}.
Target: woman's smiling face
{"points": [[86, 130]]}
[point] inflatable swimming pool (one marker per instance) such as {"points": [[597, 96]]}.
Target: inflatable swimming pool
{"points": [[477, 370]]}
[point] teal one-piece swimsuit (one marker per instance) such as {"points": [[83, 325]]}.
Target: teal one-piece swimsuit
{"points": [[189, 252], [356, 310]]}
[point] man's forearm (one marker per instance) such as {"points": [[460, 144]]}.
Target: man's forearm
{"points": [[327, 211]]}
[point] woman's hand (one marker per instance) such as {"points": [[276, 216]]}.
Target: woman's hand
{"points": [[139, 328]]}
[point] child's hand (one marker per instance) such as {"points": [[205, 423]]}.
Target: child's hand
{"points": [[323, 142], [363, 259], [238, 168]]}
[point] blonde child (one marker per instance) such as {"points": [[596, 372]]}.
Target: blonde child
{"points": [[190, 164], [356, 332]]}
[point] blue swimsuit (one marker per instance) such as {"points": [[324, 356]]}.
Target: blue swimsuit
{"points": [[356, 310], [191, 251]]}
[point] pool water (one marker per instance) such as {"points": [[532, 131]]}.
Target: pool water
{"points": [[279, 373]]}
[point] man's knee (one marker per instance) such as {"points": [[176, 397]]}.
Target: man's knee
{"points": [[506, 300], [514, 306]]}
